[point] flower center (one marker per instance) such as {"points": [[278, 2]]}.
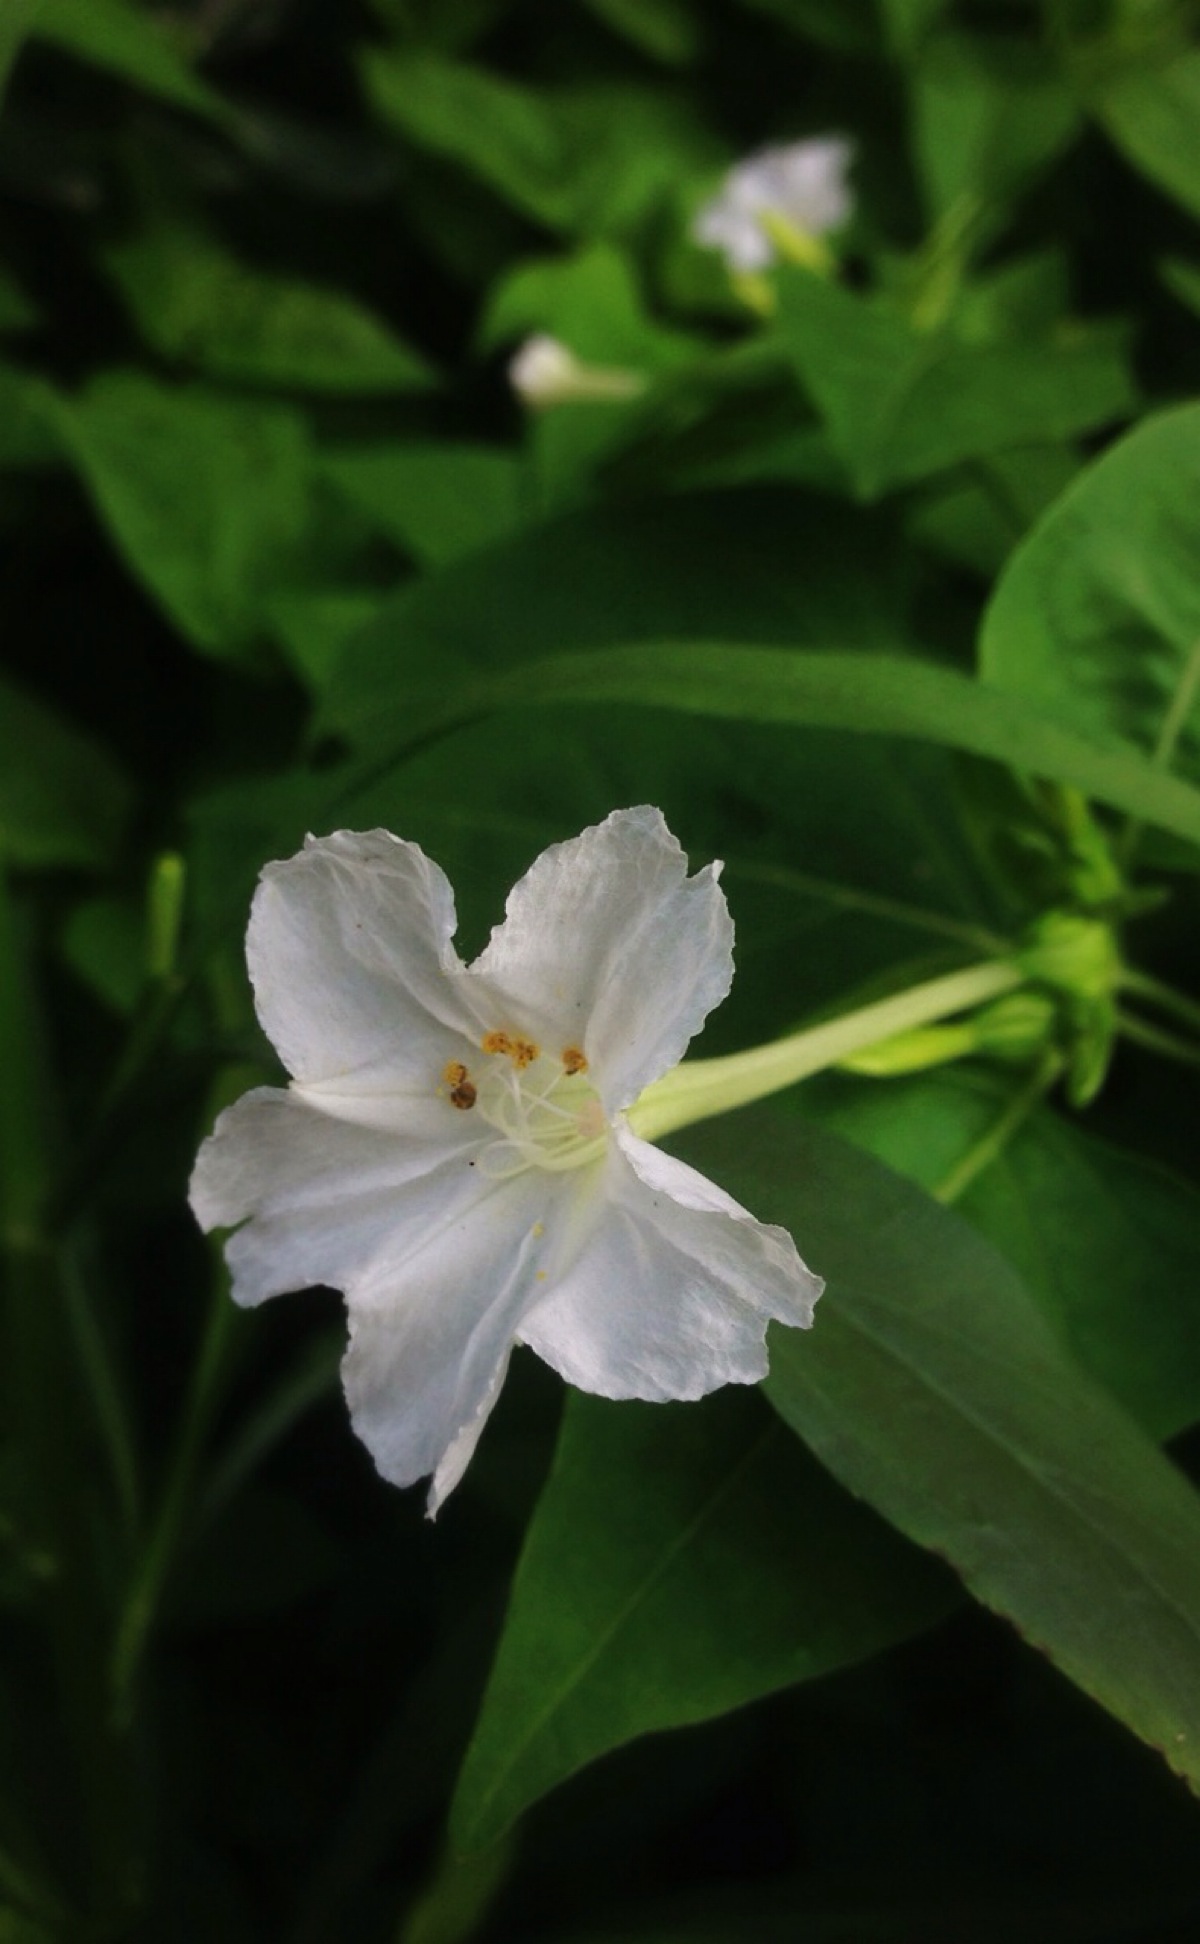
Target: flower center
{"points": [[544, 1109]]}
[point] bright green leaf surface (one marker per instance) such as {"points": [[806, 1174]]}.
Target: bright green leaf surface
{"points": [[63, 799], [1106, 1240], [900, 404], [199, 306], [1098, 614], [683, 1560], [206, 497], [931, 1386]]}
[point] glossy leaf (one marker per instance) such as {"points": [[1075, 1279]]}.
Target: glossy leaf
{"points": [[683, 1559], [932, 1387], [1097, 615]]}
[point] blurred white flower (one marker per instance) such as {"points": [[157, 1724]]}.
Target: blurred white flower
{"points": [[453, 1153], [801, 186], [546, 372]]}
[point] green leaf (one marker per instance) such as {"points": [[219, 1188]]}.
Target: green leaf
{"points": [[990, 115], [666, 29], [17, 312], [1105, 1240], [205, 496], [931, 1387], [587, 158], [63, 800], [683, 1559], [850, 28], [777, 565], [868, 694], [438, 500], [26, 420], [1151, 111], [498, 130], [901, 404], [1097, 615], [131, 43], [591, 301], [199, 306]]}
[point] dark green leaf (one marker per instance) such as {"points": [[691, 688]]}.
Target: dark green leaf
{"points": [[901, 404], [990, 114], [776, 565], [131, 43], [869, 694], [666, 29], [63, 800], [1151, 110], [437, 500], [932, 1387], [1106, 1240], [206, 497], [683, 1559], [199, 306], [1097, 615]]}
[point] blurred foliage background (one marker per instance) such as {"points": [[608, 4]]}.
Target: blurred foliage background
{"points": [[286, 549]]}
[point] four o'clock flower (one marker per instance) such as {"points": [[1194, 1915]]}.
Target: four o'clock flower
{"points": [[797, 191], [545, 372], [453, 1151]]}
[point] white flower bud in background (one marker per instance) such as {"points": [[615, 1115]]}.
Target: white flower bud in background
{"points": [[799, 187], [546, 372]]}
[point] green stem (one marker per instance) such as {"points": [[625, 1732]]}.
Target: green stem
{"points": [[1142, 1033], [1165, 997], [992, 1143], [151, 1571], [47, 1422], [701, 1088]]}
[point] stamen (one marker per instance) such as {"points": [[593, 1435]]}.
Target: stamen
{"points": [[574, 1059]]}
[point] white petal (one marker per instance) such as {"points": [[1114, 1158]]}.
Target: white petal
{"points": [[356, 980], [671, 1294], [431, 1333], [608, 944], [438, 1263], [322, 1195]]}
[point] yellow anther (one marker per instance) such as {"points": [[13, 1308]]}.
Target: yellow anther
{"points": [[574, 1059]]}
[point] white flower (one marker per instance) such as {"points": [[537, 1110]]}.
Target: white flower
{"points": [[546, 372], [801, 184], [452, 1152]]}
